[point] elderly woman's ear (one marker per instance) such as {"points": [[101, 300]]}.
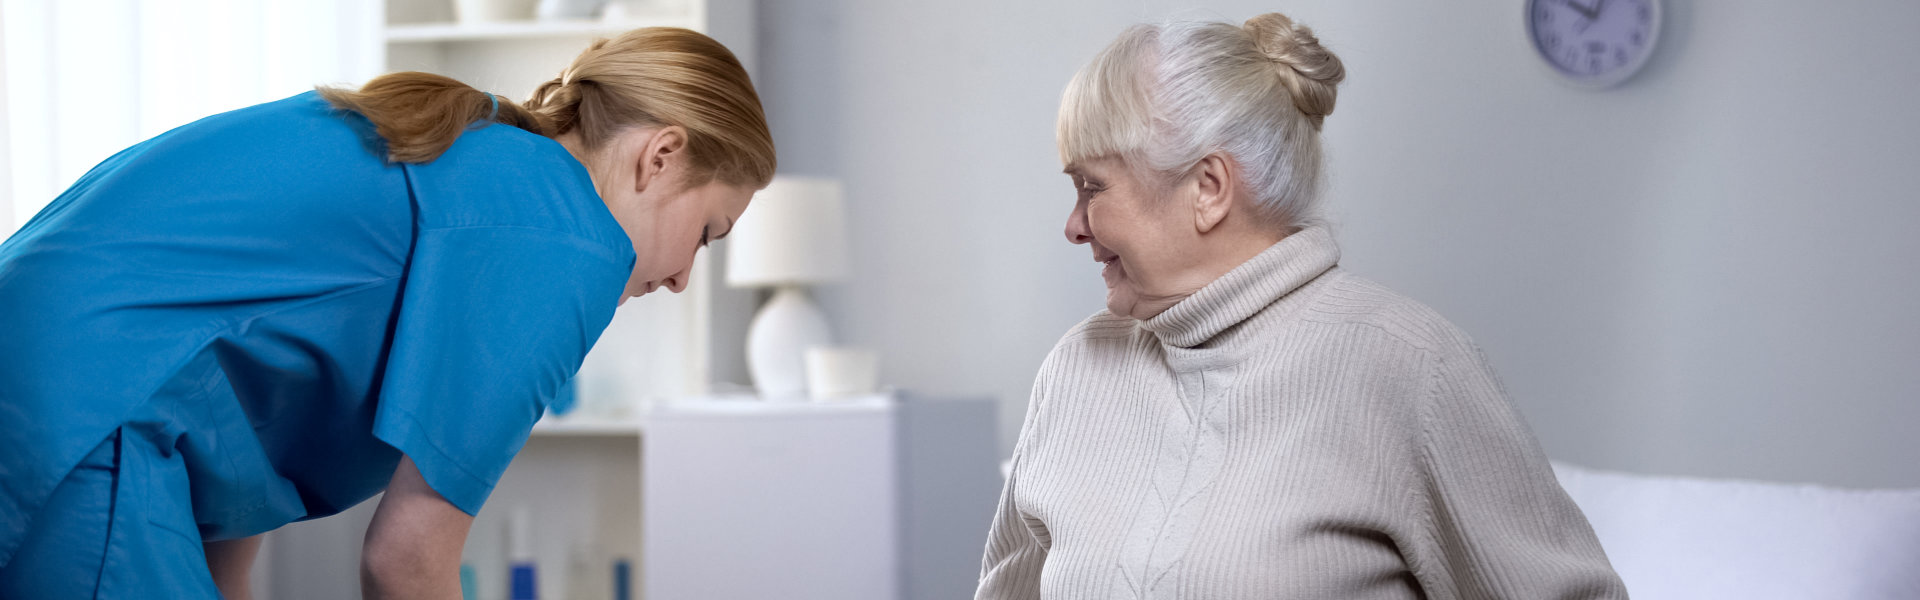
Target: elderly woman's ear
{"points": [[1215, 191]]}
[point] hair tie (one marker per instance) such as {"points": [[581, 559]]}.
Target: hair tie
{"points": [[496, 106]]}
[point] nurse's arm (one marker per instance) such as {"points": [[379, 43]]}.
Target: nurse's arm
{"points": [[231, 563], [413, 545]]}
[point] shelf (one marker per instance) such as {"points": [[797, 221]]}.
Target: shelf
{"points": [[581, 426], [511, 30], [739, 406], [721, 406]]}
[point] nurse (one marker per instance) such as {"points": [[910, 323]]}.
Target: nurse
{"points": [[273, 314]]}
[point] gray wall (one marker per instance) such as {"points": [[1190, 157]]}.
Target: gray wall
{"points": [[1707, 271]]}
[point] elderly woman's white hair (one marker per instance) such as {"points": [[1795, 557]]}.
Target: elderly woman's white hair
{"points": [[1164, 96]]}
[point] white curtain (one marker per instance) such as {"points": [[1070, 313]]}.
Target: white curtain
{"points": [[83, 79]]}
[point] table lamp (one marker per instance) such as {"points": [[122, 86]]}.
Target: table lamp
{"points": [[793, 234]]}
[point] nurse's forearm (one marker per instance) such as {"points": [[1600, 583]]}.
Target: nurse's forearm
{"points": [[413, 545], [231, 563], [388, 583]]}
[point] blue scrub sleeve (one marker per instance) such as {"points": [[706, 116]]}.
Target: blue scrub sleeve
{"points": [[492, 322]]}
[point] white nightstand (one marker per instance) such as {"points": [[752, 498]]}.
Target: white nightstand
{"points": [[754, 500]]}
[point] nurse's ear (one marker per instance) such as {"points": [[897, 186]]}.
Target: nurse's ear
{"points": [[664, 150]]}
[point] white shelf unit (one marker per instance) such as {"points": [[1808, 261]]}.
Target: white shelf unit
{"points": [[587, 427], [427, 33], [511, 57], [742, 405]]}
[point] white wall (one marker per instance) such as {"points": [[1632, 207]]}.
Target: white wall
{"points": [[1705, 271], [85, 80], [6, 138]]}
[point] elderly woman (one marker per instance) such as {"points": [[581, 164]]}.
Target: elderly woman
{"points": [[1247, 419]]}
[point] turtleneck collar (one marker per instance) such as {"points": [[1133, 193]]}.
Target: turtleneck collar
{"points": [[1247, 289]]}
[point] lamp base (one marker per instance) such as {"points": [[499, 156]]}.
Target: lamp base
{"points": [[778, 339]]}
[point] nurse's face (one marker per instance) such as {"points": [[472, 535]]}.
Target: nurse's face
{"points": [[645, 179]]}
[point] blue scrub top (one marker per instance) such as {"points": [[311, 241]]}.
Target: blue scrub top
{"points": [[263, 293]]}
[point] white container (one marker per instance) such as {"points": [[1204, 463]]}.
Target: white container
{"points": [[492, 11], [837, 372], [628, 9], [568, 9]]}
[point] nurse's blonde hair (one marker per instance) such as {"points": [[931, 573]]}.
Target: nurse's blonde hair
{"points": [[655, 76], [1162, 97]]}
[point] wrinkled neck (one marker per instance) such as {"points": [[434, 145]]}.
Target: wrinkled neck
{"points": [[1246, 289]]}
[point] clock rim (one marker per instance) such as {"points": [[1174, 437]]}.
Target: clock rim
{"points": [[1611, 78]]}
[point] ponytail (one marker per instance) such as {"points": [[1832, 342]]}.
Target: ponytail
{"points": [[660, 76], [649, 77], [421, 114]]}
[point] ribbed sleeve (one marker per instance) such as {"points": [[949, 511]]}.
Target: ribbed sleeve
{"points": [[1501, 526], [1015, 551], [1288, 431], [1015, 554]]}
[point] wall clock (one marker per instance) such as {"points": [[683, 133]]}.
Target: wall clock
{"points": [[1594, 43]]}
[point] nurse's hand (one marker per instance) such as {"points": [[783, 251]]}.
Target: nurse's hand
{"points": [[413, 545]]}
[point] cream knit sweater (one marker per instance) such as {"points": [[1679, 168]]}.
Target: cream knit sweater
{"points": [[1289, 431]]}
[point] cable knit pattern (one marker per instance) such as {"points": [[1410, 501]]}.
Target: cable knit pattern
{"points": [[1288, 431]]}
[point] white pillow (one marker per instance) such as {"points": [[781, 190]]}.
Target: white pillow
{"points": [[1673, 538]]}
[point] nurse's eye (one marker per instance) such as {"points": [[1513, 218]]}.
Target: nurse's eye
{"points": [[703, 235]]}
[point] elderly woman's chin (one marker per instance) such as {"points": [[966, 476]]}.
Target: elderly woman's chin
{"points": [[1126, 299], [1123, 298], [1120, 298], [1120, 301]]}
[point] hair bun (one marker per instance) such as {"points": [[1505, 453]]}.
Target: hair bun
{"points": [[1310, 71]]}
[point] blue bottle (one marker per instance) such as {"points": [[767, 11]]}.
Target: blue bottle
{"points": [[622, 580], [525, 587], [521, 582]]}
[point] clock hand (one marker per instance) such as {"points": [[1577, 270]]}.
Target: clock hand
{"points": [[1582, 25], [1589, 13], [1599, 6]]}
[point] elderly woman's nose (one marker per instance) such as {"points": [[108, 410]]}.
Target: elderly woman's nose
{"points": [[1077, 230]]}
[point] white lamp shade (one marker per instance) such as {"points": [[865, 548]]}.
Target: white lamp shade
{"points": [[793, 233]]}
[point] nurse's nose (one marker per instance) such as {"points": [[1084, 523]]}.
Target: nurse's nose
{"points": [[677, 282]]}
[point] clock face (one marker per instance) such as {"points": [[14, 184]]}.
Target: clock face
{"points": [[1594, 42]]}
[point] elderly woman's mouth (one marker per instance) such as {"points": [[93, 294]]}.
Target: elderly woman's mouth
{"points": [[1113, 270]]}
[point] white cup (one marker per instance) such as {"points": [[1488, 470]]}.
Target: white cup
{"points": [[489, 11], [835, 372]]}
